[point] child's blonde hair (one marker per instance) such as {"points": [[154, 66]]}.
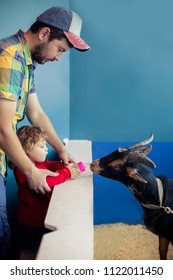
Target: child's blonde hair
{"points": [[28, 137]]}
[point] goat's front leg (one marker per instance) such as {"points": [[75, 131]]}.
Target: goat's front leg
{"points": [[163, 247]]}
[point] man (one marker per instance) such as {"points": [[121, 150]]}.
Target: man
{"points": [[53, 33]]}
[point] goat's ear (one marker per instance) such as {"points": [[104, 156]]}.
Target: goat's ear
{"points": [[139, 155], [132, 173]]}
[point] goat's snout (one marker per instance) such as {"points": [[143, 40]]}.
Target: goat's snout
{"points": [[95, 167]]}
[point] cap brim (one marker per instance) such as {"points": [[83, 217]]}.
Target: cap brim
{"points": [[77, 42]]}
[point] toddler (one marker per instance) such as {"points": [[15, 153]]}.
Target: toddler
{"points": [[33, 206]]}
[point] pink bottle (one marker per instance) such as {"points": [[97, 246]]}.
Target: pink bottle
{"points": [[81, 166]]}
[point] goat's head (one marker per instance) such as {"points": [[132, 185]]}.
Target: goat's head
{"points": [[121, 164]]}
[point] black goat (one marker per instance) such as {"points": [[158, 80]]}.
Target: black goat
{"points": [[155, 195]]}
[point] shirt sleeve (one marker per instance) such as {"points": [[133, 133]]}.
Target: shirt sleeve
{"points": [[63, 175], [11, 78], [54, 165], [32, 88], [15, 78]]}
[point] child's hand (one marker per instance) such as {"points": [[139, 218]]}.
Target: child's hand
{"points": [[74, 170]]}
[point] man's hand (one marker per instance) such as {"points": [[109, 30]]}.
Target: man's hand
{"points": [[66, 157], [37, 182]]}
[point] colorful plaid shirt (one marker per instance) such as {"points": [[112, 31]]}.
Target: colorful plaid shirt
{"points": [[16, 78]]}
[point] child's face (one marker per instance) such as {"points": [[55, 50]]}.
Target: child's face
{"points": [[39, 151]]}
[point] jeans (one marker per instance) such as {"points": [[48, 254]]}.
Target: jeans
{"points": [[4, 226]]}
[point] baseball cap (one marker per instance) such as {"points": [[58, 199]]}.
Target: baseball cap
{"points": [[68, 21]]}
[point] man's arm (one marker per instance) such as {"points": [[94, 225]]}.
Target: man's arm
{"points": [[37, 117], [10, 144]]}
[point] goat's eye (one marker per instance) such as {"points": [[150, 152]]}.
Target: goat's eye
{"points": [[116, 167]]}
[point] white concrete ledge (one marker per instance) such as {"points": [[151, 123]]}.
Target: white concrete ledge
{"points": [[70, 213]]}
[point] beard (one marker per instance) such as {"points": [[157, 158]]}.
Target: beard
{"points": [[37, 54]]}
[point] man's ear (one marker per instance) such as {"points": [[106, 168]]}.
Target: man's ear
{"points": [[44, 34]]}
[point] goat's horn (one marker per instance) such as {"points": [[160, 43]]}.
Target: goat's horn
{"points": [[120, 150], [142, 143]]}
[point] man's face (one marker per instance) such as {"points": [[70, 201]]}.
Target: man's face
{"points": [[49, 51]]}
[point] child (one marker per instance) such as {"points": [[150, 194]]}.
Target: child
{"points": [[33, 206]]}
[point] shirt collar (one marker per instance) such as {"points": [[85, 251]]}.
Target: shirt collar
{"points": [[26, 49]]}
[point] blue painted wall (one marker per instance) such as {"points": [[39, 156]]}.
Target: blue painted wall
{"points": [[123, 88]]}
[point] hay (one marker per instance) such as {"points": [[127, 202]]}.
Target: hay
{"points": [[126, 242]]}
